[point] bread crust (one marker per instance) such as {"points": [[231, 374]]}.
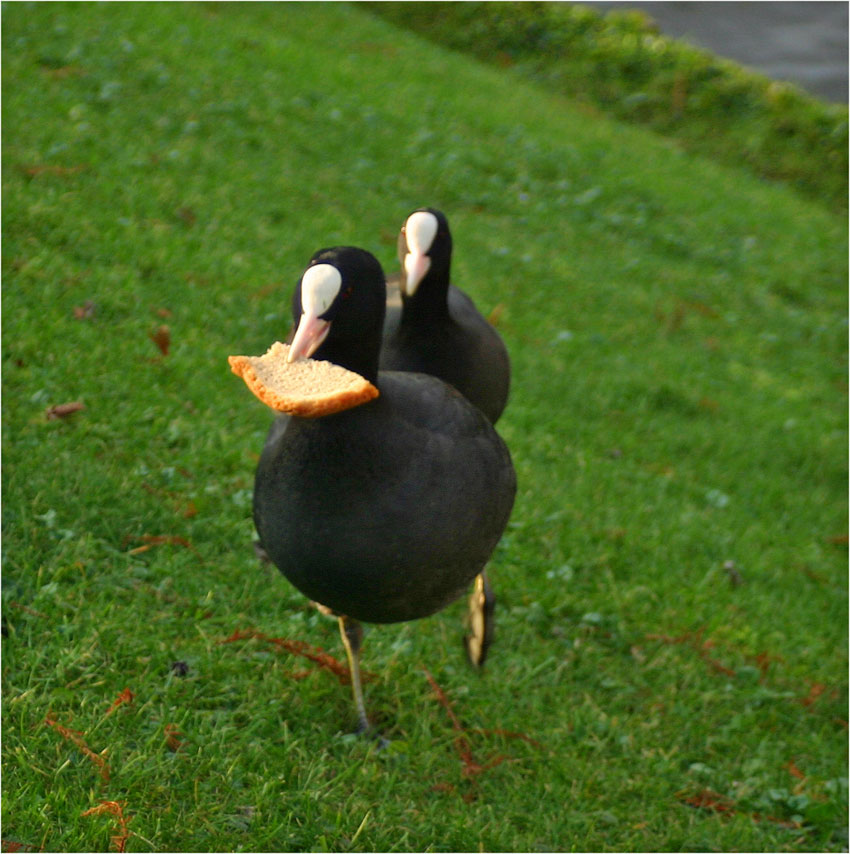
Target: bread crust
{"points": [[307, 388]]}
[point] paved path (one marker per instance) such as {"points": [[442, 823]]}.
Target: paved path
{"points": [[804, 42]]}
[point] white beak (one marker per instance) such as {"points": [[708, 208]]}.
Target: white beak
{"points": [[311, 332], [416, 265]]}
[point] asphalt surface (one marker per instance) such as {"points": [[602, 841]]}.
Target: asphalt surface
{"points": [[801, 42]]}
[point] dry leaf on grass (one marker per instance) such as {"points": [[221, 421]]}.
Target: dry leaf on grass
{"points": [[126, 696], [63, 410], [161, 336], [85, 311]]}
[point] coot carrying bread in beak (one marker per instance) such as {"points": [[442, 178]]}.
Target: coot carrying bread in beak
{"points": [[384, 512], [439, 331]]}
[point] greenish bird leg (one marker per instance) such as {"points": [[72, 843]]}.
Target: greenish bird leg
{"points": [[352, 637], [482, 607]]}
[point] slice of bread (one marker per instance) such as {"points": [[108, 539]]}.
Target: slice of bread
{"points": [[308, 388]]}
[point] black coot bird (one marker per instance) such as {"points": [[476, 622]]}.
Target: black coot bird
{"points": [[438, 330], [384, 512]]}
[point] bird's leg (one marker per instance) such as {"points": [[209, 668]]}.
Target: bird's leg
{"points": [[352, 637], [482, 607]]}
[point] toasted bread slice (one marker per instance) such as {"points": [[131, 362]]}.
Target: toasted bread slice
{"points": [[308, 388]]}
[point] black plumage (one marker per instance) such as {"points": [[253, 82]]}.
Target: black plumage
{"points": [[434, 327], [438, 329], [384, 512]]}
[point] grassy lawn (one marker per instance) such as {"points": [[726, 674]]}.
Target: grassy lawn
{"points": [[620, 64], [670, 668]]}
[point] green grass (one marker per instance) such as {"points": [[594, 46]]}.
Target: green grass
{"points": [[678, 336], [619, 63]]}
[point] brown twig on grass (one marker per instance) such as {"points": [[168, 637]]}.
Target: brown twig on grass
{"points": [[118, 840], [702, 647], [470, 766], [76, 738], [27, 610], [711, 801], [151, 540], [314, 654]]}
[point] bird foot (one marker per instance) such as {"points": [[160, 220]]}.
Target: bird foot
{"points": [[481, 620], [366, 730]]}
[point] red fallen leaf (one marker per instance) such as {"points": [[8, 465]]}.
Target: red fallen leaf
{"points": [[713, 802], [162, 312], [814, 692], [720, 668], [76, 738], [84, 311], [10, 845], [702, 647], [840, 540], [793, 770], [265, 290], [708, 800], [688, 636], [61, 171], [187, 510], [126, 696], [172, 738], [298, 675], [63, 410], [763, 661], [195, 279], [64, 71], [162, 338], [119, 840]]}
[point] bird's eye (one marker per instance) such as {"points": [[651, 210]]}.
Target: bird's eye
{"points": [[347, 292]]}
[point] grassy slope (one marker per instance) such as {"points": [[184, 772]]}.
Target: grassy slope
{"points": [[618, 62], [678, 338]]}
